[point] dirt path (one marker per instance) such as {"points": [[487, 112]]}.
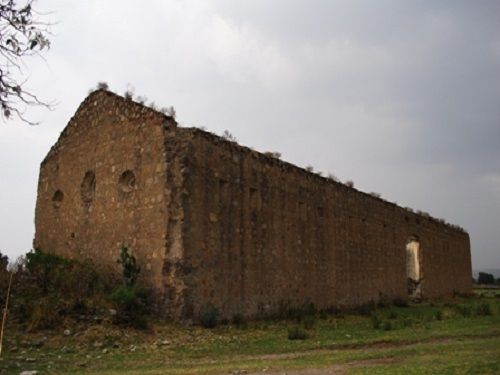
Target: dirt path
{"points": [[345, 368], [339, 369]]}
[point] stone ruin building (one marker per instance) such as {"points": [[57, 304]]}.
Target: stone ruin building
{"points": [[217, 225]]}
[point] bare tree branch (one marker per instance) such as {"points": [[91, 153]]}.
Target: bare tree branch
{"points": [[22, 34]]}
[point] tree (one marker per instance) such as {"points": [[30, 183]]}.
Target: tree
{"points": [[22, 35], [485, 278]]}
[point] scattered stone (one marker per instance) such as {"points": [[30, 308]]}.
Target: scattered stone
{"points": [[14, 349], [30, 359], [132, 348], [112, 312], [104, 351], [165, 342], [67, 332], [98, 344], [32, 372]]}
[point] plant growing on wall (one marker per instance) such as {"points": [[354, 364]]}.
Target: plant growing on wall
{"points": [[132, 302], [130, 268]]}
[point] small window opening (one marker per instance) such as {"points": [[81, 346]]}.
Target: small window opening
{"points": [[57, 198], [88, 187], [126, 183], [254, 199], [223, 192], [321, 212], [302, 210]]}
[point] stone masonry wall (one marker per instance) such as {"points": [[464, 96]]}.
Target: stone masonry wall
{"points": [[215, 224], [104, 184], [264, 234]]}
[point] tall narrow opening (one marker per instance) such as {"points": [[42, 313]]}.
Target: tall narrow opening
{"points": [[413, 266], [87, 188]]}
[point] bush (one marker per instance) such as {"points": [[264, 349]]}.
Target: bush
{"points": [[297, 333], [365, 309], [387, 325], [464, 310], [392, 314], [376, 322], [400, 302], [131, 302], [309, 321], [438, 315], [210, 318], [407, 322], [484, 309], [132, 306], [46, 289], [239, 320]]}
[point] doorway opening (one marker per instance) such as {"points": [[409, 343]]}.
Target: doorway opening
{"points": [[413, 267]]}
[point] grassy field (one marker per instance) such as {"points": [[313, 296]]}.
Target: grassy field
{"points": [[455, 337]]}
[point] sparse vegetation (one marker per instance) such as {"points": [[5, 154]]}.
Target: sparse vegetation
{"points": [[130, 268], [297, 333], [332, 177], [309, 321], [273, 154], [228, 136], [169, 111], [131, 301], [102, 85], [415, 339], [309, 168], [48, 289], [349, 183]]}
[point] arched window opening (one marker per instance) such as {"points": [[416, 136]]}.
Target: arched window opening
{"points": [[57, 198], [88, 187], [126, 182]]}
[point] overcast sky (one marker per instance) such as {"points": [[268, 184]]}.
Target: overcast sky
{"points": [[401, 97]]}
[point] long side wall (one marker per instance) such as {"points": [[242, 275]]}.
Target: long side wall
{"points": [[263, 234], [107, 136]]}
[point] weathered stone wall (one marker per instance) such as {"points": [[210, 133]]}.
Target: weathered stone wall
{"points": [[215, 224], [263, 234], [107, 137]]}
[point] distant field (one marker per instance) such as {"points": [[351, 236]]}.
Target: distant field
{"points": [[456, 337], [492, 292]]}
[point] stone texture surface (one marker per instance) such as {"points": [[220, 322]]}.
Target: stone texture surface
{"points": [[215, 224]]}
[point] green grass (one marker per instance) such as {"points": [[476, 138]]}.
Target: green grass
{"points": [[493, 292], [439, 337]]}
